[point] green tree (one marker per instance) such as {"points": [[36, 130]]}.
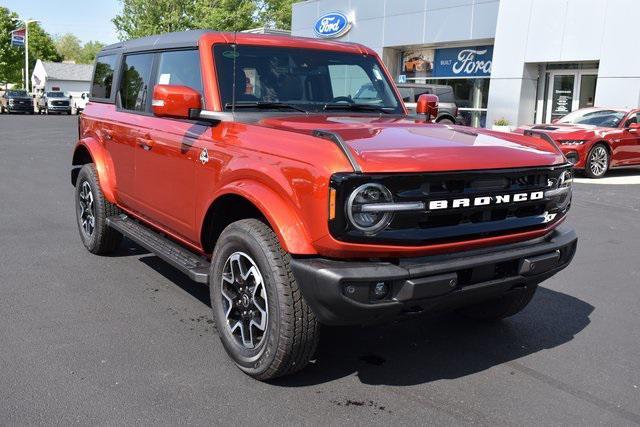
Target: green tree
{"points": [[89, 52], [69, 47], [140, 18], [275, 13], [11, 58], [225, 15], [41, 46]]}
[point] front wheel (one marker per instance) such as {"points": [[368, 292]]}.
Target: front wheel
{"points": [[502, 307], [597, 161], [263, 321]]}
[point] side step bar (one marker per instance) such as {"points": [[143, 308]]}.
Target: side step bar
{"points": [[191, 264]]}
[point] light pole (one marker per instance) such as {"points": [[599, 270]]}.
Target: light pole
{"points": [[26, 50]]}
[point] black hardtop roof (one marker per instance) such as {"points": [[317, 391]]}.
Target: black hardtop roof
{"points": [[163, 41]]}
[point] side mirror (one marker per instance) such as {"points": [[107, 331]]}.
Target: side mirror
{"points": [[174, 101], [427, 104], [633, 127]]}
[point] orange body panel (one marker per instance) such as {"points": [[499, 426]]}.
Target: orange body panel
{"points": [[278, 165]]}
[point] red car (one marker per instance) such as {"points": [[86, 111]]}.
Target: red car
{"points": [[298, 204], [597, 139]]}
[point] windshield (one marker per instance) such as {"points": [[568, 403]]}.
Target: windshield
{"points": [[55, 94], [302, 79], [17, 93], [603, 118]]}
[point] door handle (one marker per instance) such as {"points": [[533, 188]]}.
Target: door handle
{"points": [[145, 143]]}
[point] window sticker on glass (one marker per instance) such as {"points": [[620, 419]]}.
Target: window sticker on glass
{"points": [[230, 54], [164, 79], [377, 74]]}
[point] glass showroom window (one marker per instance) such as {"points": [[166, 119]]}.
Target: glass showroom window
{"points": [[471, 96]]}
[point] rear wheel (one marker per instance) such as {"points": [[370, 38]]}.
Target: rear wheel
{"points": [[92, 211], [446, 122], [263, 321], [597, 161], [502, 307]]}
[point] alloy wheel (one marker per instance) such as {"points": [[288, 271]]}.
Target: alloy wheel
{"points": [[86, 205], [599, 161], [244, 300]]}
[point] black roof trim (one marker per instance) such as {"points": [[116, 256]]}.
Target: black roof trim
{"points": [[163, 41]]}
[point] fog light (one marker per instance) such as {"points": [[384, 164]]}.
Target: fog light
{"points": [[572, 157], [380, 290]]}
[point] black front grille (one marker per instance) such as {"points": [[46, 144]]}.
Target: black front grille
{"points": [[461, 188], [60, 103]]}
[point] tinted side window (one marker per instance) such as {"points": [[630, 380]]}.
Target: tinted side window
{"points": [[406, 93], [422, 91], [446, 95], [180, 67], [103, 76], [134, 85]]}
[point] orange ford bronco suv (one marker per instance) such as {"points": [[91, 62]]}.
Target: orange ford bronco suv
{"points": [[246, 162]]}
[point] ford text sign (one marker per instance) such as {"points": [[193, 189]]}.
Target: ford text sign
{"points": [[463, 62], [332, 25]]}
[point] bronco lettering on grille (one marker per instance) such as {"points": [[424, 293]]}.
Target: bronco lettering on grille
{"points": [[485, 200]]}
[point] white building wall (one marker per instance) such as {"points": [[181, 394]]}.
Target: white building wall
{"points": [[529, 32], [382, 24], [72, 87]]}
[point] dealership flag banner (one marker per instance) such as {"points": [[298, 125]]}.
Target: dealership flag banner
{"points": [[17, 37]]}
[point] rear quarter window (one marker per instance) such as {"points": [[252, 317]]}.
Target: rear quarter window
{"points": [[103, 77]]}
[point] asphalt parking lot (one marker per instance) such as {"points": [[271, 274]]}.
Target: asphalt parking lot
{"points": [[126, 339]]}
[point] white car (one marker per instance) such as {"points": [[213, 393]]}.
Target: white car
{"points": [[79, 104]]}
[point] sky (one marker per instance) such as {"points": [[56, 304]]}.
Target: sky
{"points": [[88, 19]]}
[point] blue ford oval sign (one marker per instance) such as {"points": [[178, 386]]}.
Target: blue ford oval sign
{"points": [[332, 25]]}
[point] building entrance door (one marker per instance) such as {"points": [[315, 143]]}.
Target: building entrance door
{"points": [[568, 91]]}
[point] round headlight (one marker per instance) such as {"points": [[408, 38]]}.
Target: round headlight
{"points": [[566, 179], [368, 220]]}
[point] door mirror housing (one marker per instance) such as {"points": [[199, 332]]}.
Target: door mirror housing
{"points": [[633, 127], [427, 104], [176, 101]]}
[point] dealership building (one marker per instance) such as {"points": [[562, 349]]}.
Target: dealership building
{"points": [[528, 61]]}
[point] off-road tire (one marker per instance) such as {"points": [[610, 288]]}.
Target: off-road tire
{"points": [[590, 159], [104, 239], [291, 335], [446, 121], [502, 307]]}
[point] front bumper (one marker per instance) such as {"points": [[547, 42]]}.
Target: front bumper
{"points": [[16, 108], [341, 292], [59, 108]]}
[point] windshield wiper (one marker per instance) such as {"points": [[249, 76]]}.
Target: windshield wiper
{"points": [[358, 107], [263, 105]]}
